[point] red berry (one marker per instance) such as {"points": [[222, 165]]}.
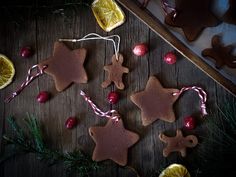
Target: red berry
{"points": [[170, 58], [189, 123], [113, 97], [140, 49], [71, 122], [42, 97], [26, 52]]}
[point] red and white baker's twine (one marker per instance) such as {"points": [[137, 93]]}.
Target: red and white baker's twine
{"points": [[201, 93], [111, 114], [30, 77]]}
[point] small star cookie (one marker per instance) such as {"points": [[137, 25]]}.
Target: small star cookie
{"points": [[112, 142], [65, 66], [155, 102], [192, 16]]}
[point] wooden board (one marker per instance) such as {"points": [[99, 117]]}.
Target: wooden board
{"points": [[155, 24], [41, 32]]}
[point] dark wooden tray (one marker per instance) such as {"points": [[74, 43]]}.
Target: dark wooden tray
{"points": [[156, 25]]}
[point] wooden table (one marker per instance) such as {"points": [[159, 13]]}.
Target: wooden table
{"points": [[41, 32]]}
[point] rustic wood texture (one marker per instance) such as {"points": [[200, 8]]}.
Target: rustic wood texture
{"points": [[41, 32]]}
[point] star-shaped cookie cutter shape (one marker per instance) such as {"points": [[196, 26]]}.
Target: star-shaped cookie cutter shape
{"points": [[112, 142], [192, 16], [155, 102], [65, 66]]}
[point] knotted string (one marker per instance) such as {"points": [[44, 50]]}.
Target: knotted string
{"points": [[30, 77], [201, 93], [95, 36], [111, 114]]}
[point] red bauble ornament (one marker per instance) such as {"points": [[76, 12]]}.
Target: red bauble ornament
{"points": [[71, 122], [170, 58], [140, 49], [26, 52], [189, 123], [113, 97], [43, 96]]}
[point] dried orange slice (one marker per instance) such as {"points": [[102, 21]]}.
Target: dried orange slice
{"points": [[7, 71], [175, 170], [108, 14]]}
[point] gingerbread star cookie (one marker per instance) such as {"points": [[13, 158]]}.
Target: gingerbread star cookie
{"points": [[192, 16], [178, 143], [115, 72], [230, 15], [65, 66], [155, 102], [112, 142], [220, 53]]}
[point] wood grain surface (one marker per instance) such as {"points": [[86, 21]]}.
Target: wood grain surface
{"points": [[41, 32]]}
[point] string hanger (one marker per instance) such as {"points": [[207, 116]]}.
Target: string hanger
{"points": [[33, 73], [111, 114], [95, 36], [201, 93]]}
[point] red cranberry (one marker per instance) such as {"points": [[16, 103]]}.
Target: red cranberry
{"points": [[26, 52], [113, 97], [140, 49], [189, 123], [170, 58], [71, 122], [42, 97]]}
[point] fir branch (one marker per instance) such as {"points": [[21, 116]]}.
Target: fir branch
{"points": [[75, 161]]}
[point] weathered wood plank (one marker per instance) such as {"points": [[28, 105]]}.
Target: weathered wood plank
{"points": [[42, 33]]}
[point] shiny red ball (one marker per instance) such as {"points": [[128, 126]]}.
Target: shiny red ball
{"points": [[113, 97], [26, 52], [170, 58], [189, 123], [71, 122], [43, 96], [140, 49]]}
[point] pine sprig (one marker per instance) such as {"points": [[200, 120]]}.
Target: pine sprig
{"points": [[22, 143]]}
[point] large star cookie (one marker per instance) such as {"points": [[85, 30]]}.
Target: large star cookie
{"points": [[112, 142], [220, 53], [230, 15], [115, 72], [178, 143], [65, 66], [155, 102], [192, 16]]}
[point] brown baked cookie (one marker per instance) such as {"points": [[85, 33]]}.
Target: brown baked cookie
{"points": [[112, 142], [178, 143], [192, 16], [220, 53], [230, 15], [115, 72], [65, 66], [155, 102]]}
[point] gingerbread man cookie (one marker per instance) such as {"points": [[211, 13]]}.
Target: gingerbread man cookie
{"points": [[115, 72], [178, 143], [220, 53]]}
